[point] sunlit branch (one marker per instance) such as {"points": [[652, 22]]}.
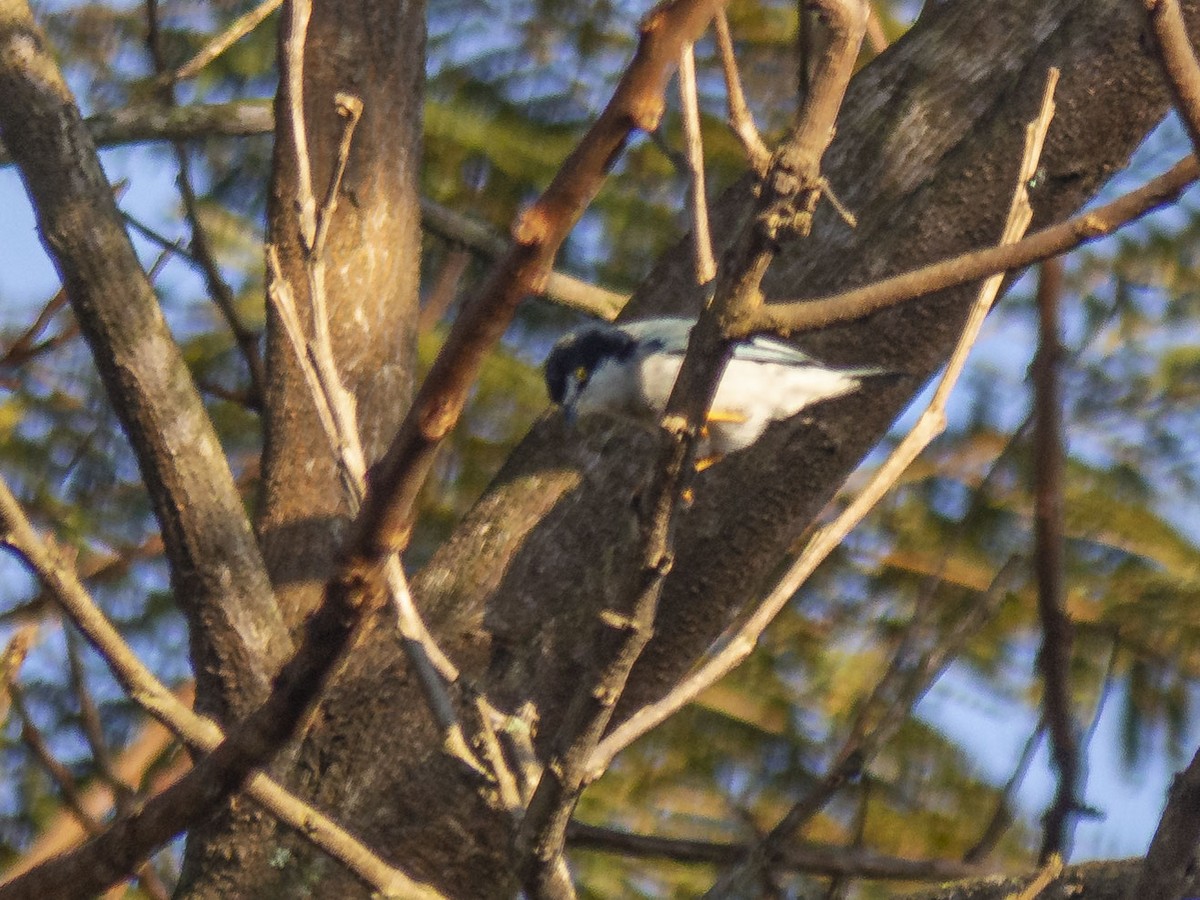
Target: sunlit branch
{"points": [[706, 264]]}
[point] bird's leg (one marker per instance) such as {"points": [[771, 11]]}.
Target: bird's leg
{"points": [[723, 417]]}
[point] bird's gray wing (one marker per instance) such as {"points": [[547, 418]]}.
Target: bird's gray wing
{"points": [[661, 335], [767, 350]]}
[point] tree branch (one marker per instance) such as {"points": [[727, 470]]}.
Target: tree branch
{"points": [[740, 120], [814, 859], [216, 570], [1054, 658], [1169, 870], [198, 732], [236, 30], [706, 264], [789, 194], [1178, 60], [155, 122], [811, 315]]}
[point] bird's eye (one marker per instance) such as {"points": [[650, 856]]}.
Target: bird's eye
{"points": [[581, 375]]}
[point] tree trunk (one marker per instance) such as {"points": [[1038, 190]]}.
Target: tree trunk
{"points": [[375, 50], [926, 154]]}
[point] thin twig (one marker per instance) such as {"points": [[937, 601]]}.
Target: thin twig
{"points": [[292, 87], [1054, 658], [197, 732], [93, 728], [931, 423], [813, 859], [706, 263], [1002, 815], [1046, 876], [160, 240], [236, 30], [444, 290], [740, 120], [839, 885], [24, 346], [350, 108], [876, 37]]}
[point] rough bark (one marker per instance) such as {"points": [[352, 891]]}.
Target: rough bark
{"points": [[926, 153], [237, 637], [373, 49]]}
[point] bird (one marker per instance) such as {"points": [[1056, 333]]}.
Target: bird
{"points": [[627, 371]]}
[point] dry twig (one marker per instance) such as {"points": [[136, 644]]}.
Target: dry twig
{"points": [[740, 120], [1046, 876], [706, 264]]}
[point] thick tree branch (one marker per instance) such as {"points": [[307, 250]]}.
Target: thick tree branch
{"points": [[217, 572]]}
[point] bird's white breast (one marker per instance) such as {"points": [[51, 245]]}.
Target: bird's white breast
{"points": [[750, 396]]}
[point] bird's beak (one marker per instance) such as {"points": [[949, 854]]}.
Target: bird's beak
{"points": [[570, 414]]}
